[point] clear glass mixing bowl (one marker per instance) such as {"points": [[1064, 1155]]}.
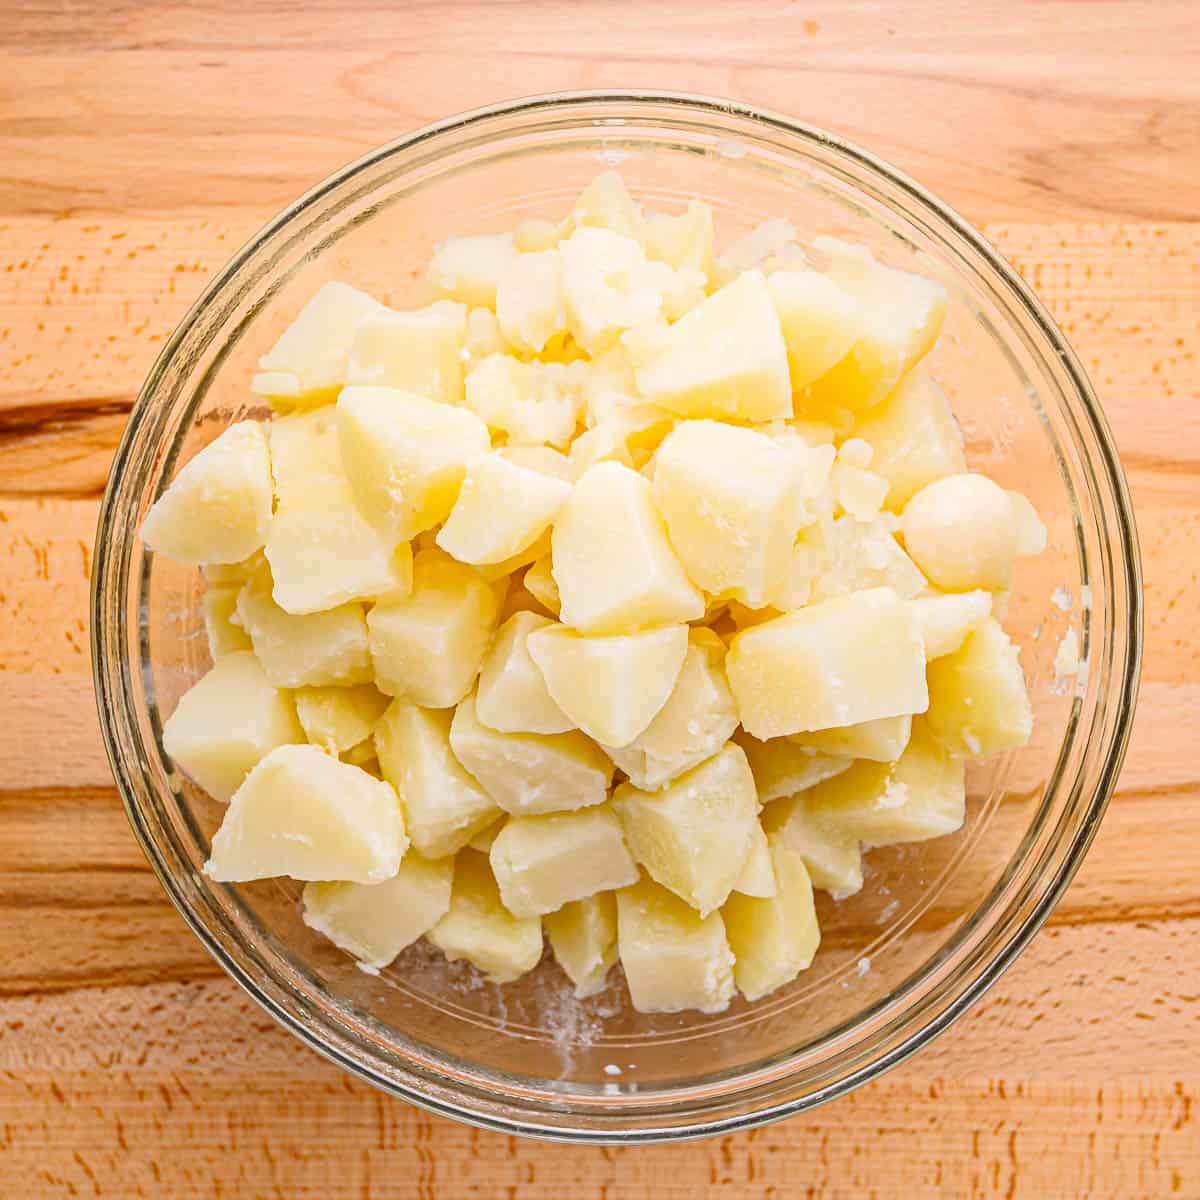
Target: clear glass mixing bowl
{"points": [[934, 926]]}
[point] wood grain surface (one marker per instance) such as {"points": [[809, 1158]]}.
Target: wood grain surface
{"points": [[140, 144]]}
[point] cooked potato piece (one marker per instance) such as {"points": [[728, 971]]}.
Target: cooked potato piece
{"points": [[469, 269], [221, 626], [337, 718], [232, 575], [583, 936], [831, 853], [529, 301], [753, 249], [419, 352], [945, 621], [783, 768], [881, 740], [544, 862], [606, 204], [841, 662], [530, 403], [978, 703], [683, 240], [304, 814], [1030, 532], [218, 508], [819, 320], [855, 556], [375, 921], [480, 929], [540, 234], [486, 838], [856, 491], [674, 959], [512, 695], [758, 876], [539, 582]]}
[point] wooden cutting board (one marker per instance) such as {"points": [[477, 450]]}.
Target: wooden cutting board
{"points": [[141, 143]]}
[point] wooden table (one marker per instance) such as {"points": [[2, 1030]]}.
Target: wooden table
{"points": [[141, 144]]}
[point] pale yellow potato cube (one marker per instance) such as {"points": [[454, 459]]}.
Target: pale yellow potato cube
{"points": [[856, 555], [915, 437], [612, 560], [502, 509], [324, 648], [480, 929], [419, 352], [583, 936], [503, 573], [606, 204], [218, 507], [540, 234], [221, 626], [375, 921], [881, 740], [219, 575], [725, 358], [531, 403], [832, 855], [530, 304], [530, 773], [307, 365], [539, 582], [857, 492], [697, 720], [611, 687], [544, 459], [819, 321], [753, 249], [227, 721], [512, 696], [731, 501], [304, 814], [978, 703], [840, 662], [1030, 532], [684, 240], [604, 443], [775, 938], [444, 808], [758, 875], [783, 768], [485, 838], [920, 796], [674, 959], [323, 551], [469, 269], [945, 620], [544, 862], [338, 718], [428, 647], [694, 835], [483, 337]]}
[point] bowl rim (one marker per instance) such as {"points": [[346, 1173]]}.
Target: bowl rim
{"points": [[1126, 668]]}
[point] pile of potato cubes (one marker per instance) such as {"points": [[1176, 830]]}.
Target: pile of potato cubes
{"points": [[623, 595]]}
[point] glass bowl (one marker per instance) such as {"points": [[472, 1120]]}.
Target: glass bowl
{"points": [[936, 923]]}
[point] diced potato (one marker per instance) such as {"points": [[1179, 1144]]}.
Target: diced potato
{"points": [[901, 315], [858, 492], [684, 240], [542, 863], [429, 646], [469, 269], [539, 582], [529, 301], [694, 835], [406, 455], [544, 459], [758, 875], [375, 921], [881, 740], [316, 649], [323, 551], [502, 508], [502, 574], [304, 814], [220, 575], [830, 852], [604, 443], [847, 660], [532, 404], [611, 687], [945, 620], [486, 838], [483, 337], [725, 358], [696, 721], [583, 936], [978, 703], [920, 796], [444, 808], [419, 352], [1030, 532], [753, 249], [218, 508], [819, 320], [775, 938], [540, 234], [783, 768], [857, 555], [221, 626], [363, 755], [915, 437], [480, 929], [307, 365], [612, 561], [512, 696], [337, 718], [674, 959], [227, 721], [529, 773], [961, 532], [606, 204]]}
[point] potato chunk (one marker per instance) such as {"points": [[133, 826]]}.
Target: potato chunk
{"points": [[375, 921], [695, 834], [336, 718], [527, 773], [831, 853], [612, 561], [758, 876], [674, 959], [419, 352], [304, 814], [783, 768], [881, 740], [978, 703], [539, 582], [444, 808], [218, 507], [227, 721], [773, 938], [469, 269], [544, 862], [480, 929], [683, 240], [731, 501], [583, 936], [512, 695], [429, 646], [606, 204], [222, 628], [529, 300], [856, 555], [531, 403], [945, 621], [847, 660], [819, 320]]}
